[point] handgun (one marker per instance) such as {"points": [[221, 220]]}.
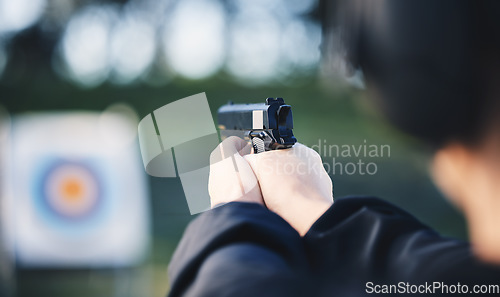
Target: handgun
{"points": [[268, 126]]}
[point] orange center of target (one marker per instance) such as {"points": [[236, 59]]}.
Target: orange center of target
{"points": [[72, 191]]}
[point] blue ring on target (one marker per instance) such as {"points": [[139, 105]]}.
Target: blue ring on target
{"points": [[74, 209]]}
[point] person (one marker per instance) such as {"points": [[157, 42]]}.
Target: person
{"points": [[434, 69]]}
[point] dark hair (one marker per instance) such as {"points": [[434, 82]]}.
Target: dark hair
{"points": [[435, 64]]}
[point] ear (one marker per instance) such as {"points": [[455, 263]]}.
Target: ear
{"points": [[470, 179], [449, 169]]}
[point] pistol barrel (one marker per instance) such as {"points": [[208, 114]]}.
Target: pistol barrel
{"points": [[268, 124]]}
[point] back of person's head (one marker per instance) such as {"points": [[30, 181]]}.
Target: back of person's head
{"points": [[434, 64]]}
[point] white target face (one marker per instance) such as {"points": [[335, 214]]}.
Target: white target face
{"points": [[78, 199], [71, 191]]}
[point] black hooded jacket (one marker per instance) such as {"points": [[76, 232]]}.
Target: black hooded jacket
{"points": [[361, 246]]}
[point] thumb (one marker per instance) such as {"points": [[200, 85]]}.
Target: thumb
{"points": [[231, 146]]}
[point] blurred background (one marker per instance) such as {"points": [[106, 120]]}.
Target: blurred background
{"points": [[68, 68]]}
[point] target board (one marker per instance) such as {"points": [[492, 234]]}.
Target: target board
{"points": [[77, 191]]}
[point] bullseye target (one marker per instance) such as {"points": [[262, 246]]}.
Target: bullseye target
{"points": [[70, 191], [77, 193]]}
